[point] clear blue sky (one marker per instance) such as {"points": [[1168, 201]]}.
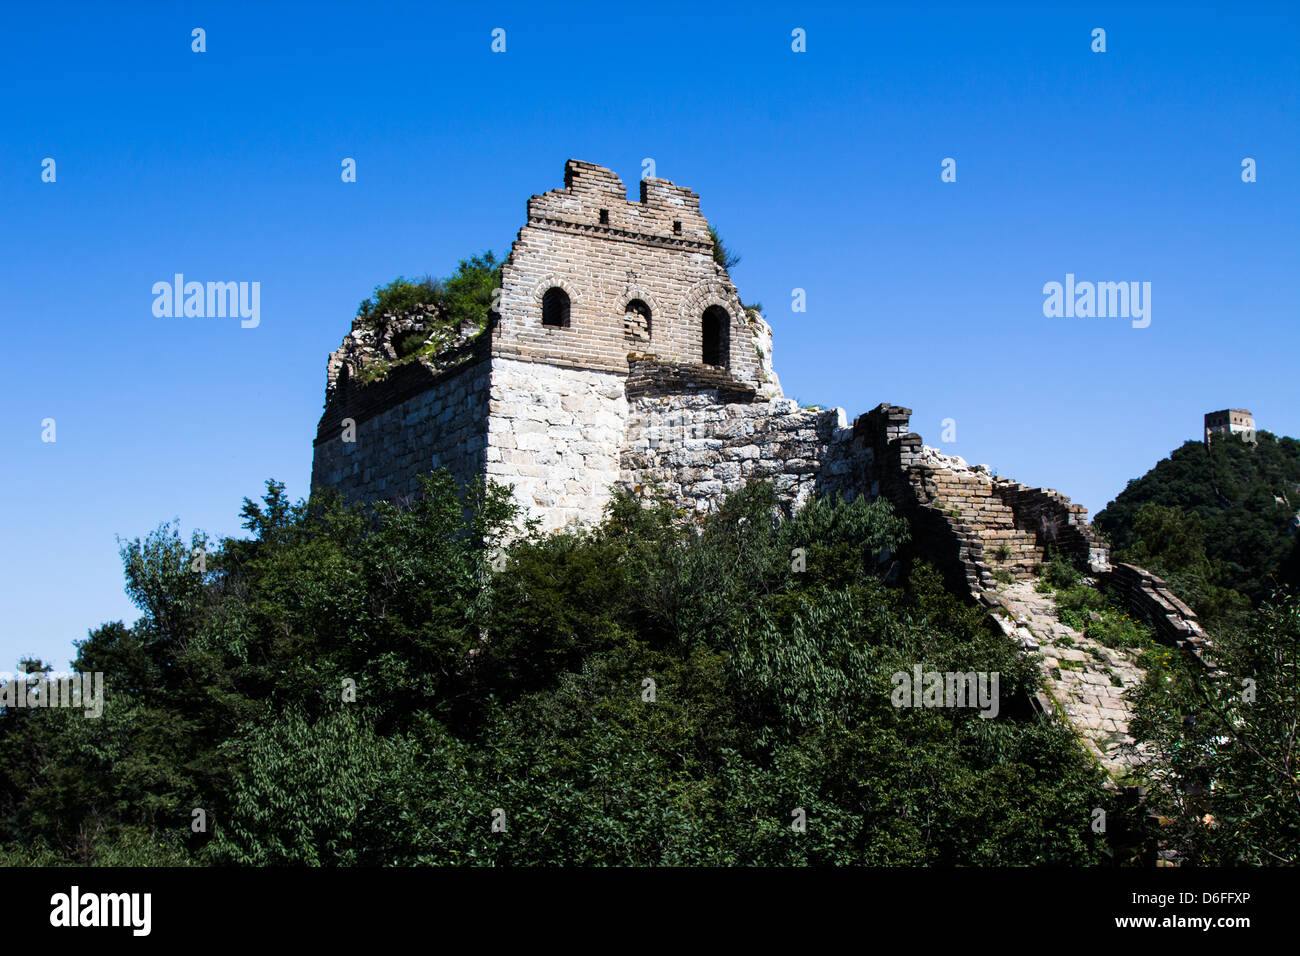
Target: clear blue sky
{"points": [[821, 169]]}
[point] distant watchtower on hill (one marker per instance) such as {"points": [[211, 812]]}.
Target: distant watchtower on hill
{"points": [[1230, 421]]}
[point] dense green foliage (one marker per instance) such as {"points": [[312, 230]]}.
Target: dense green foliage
{"points": [[399, 296], [1209, 521], [1099, 618], [519, 681], [464, 297], [1223, 749]]}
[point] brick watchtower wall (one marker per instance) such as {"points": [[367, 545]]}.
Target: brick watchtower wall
{"points": [[1230, 421], [559, 410], [605, 252]]}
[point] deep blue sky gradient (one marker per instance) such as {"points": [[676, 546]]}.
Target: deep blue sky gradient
{"points": [[821, 169]]}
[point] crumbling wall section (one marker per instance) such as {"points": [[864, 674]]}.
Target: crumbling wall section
{"points": [[695, 434], [976, 528], [888, 461], [407, 424], [1055, 522], [1148, 596]]}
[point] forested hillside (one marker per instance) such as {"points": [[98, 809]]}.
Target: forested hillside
{"points": [[1217, 521]]}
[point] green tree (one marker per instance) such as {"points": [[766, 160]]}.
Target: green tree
{"points": [[722, 255], [1171, 542], [1223, 747]]}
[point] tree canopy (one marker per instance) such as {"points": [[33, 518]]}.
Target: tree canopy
{"points": [[404, 686], [1217, 521]]}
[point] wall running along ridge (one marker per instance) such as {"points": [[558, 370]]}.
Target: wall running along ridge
{"points": [[567, 415]]}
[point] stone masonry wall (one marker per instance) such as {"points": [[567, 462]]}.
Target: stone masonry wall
{"points": [[1176, 624], [698, 435], [409, 424], [555, 434], [1052, 518]]}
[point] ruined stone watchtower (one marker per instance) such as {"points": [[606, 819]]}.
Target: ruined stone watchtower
{"points": [[621, 357], [1230, 421], [593, 284]]}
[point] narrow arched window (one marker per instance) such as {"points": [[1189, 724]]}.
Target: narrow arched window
{"points": [[636, 321], [555, 308], [716, 335]]}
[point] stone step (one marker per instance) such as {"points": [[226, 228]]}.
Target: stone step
{"points": [[981, 515]]}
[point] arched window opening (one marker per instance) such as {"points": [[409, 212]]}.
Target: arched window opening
{"points": [[555, 308], [636, 322], [716, 336]]}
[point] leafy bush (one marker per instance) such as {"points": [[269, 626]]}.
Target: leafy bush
{"points": [[400, 296], [467, 294], [464, 297], [1094, 615], [1114, 628], [408, 343], [1059, 573], [447, 309]]}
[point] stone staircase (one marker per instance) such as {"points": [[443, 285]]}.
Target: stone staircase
{"points": [[1086, 682], [973, 526], [982, 522]]}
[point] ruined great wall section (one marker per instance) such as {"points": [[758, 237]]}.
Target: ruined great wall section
{"points": [[988, 534], [622, 357]]}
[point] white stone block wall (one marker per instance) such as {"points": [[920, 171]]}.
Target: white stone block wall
{"points": [[555, 434], [697, 451]]}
